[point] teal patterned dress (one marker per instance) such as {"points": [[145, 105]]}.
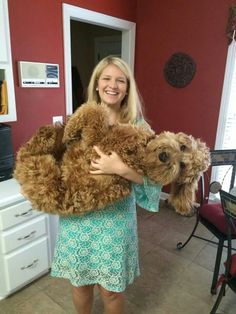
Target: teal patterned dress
{"points": [[101, 247]]}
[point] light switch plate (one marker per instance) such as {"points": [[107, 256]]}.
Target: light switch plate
{"points": [[56, 119]]}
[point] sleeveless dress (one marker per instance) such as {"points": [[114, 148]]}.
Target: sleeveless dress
{"points": [[101, 247]]}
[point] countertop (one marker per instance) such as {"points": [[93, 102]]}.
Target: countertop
{"points": [[9, 193]]}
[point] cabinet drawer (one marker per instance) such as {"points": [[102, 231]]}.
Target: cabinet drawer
{"points": [[22, 234], [16, 214], [23, 265]]}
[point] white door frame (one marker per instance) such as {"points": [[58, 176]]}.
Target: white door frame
{"points": [[71, 12]]}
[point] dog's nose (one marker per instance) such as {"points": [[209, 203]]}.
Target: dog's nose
{"points": [[163, 157]]}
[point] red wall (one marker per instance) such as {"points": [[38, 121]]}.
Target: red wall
{"points": [[37, 35], [163, 28], [193, 27]]}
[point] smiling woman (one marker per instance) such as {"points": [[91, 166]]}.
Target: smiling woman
{"points": [[101, 247]]}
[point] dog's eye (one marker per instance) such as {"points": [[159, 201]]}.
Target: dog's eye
{"points": [[163, 157], [131, 151], [182, 165], [182, 148]]}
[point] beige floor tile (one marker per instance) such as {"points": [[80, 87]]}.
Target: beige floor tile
{"points": [[151, 231], [228, 302], [177, 301], [14, 300], [190, 251], [59, 290], [143, 213], [46, 281], [38, 304], [197, 280], [206, 258], [145, 246]]}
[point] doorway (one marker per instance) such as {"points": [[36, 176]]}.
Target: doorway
{"points": [[89, 44], [110, 27]]}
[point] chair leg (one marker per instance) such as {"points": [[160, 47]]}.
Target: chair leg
{"points": [[219, 298], [180, 245], [217, 266]]}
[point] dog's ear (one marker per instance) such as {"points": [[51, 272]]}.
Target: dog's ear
{"points": [[197, 162], [196, 158], [150, 138], [204, 155], [182, 197]]}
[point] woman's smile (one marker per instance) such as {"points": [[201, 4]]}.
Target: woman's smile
{"points": [[112, 86]]}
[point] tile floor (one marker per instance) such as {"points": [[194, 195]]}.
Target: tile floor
{"points": [[171, 281]]}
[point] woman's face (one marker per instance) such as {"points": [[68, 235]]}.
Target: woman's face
{"points": [[112, 86]]}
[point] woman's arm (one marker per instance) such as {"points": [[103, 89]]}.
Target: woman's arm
{"points": [[112, 164], [147, 193]]}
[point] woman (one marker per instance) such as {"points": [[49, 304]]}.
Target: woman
{"points": [[101, 247]]}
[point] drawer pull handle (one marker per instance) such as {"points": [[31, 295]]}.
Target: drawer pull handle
{"points": [[30, 265], [24, 213], [28, 236]]}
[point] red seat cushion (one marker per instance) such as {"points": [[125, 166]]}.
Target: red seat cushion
{"points": [[215, 215]]}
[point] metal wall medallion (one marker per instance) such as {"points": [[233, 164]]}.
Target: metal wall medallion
{"points": [[179, 70]]}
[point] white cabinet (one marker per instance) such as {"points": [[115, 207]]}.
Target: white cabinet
{"points": [[7, 94], [25, 241]]}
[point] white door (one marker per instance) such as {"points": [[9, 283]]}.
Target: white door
{"points": [[71, 12]]}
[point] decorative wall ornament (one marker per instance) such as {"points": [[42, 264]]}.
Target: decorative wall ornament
{"points": [[179, 70]]}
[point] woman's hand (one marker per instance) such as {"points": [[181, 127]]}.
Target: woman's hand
{"points": [[113, 164], [106, 164]]}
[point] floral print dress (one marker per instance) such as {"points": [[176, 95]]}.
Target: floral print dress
{"points": [[101, 247]]}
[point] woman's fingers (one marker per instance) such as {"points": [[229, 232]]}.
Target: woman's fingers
{"points": [[94, 163], [96, 171], [105, 163], [98, 151]]}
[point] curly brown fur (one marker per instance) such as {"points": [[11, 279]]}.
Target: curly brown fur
{"points": [[196, 160], [59, 181], [88, 125], [47, 140], [37, 168]]}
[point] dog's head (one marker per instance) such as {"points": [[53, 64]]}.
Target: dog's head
{"points": [[179, 159], [163, 159], [195, 158]]}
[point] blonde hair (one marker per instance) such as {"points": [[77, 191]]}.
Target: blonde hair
{"points": [[131, 106]]}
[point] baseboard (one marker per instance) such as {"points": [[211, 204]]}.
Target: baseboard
{"points": [[164, 195]]}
